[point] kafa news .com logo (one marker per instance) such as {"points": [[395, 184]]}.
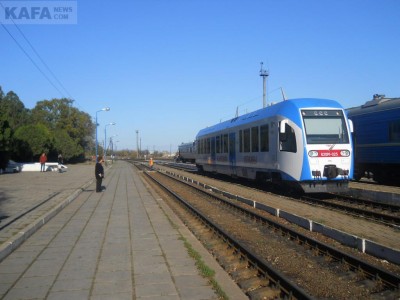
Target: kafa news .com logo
{"points": [[38, 12]]}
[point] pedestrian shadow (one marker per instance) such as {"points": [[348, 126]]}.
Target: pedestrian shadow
{"points": [[103, 189]]}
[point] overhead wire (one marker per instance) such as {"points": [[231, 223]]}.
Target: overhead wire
{"points": [[31, 59], [40, 58], [43, 62]]}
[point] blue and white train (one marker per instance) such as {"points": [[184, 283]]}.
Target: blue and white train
{"points": [[304, 143]]}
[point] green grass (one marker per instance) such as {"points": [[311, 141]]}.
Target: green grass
{"points": [[204, 270]]}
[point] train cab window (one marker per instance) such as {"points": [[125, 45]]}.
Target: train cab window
{"points": [[264, 138], [287, 140], [218, 144], [246, 140], [394, 131], [325, 127], [254, 139], [225, 143]]}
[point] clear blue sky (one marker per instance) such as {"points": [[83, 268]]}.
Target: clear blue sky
{"points": [[169, 68]]}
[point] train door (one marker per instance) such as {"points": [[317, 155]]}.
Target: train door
{"points": [[232, 153], [290, 157]]}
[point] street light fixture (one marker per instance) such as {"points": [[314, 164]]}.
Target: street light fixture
{"points": [[105, 139], [103, 109]]}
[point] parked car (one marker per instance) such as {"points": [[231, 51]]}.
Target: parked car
{"points": [[12, 167]]}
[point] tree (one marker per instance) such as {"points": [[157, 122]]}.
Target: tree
{"points": [[64, 144], [13, 110], [5, 143], [12, 115], [53, 113], [37, 138], [59, 115]]}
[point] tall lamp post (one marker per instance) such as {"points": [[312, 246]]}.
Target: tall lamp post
{"points": [[111, 145], [115, 147], [105, 139], [103, 109]]}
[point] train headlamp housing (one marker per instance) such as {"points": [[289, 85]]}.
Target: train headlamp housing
{"points": [[345, 153], [329, 153]]}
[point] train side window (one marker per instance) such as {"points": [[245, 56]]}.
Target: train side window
{"points": [[394, 131], [240, 141], [288, 139], [199, 146], [254, 139], [217, 143], [225, 143], [246, 140], [264, 138]]}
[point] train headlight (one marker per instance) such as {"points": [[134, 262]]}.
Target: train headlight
{"points": [[313, 153], [345, 153]]}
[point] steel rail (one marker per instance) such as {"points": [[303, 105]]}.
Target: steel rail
{"points": [[359, 212], [282, 282], [390, 279]]}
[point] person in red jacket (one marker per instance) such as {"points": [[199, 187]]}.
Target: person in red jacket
{"points": [[42, 160]]}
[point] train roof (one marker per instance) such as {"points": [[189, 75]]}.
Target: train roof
{"points": [[378, 103], [287, 108]]}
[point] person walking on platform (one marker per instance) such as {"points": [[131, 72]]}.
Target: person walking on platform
{"points": [[42, 160], [99, 173]]}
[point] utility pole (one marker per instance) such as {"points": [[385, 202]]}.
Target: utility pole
{"points": [[264, 74], [137, 143]]}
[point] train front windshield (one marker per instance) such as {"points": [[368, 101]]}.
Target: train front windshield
{"points": [[325, 127]]}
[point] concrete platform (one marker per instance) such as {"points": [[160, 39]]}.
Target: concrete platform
{"points": [[123, 243]]}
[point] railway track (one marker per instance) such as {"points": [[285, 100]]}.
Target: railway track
{"points": [[387, 214], [248, 253]]}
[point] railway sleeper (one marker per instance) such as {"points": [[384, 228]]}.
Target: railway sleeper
{"points": [[231, 264], [252, 284], [244, 273], [265, 293], [218, 246]]}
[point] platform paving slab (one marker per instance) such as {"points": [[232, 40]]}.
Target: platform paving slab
{"points": [[119, 244]]}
